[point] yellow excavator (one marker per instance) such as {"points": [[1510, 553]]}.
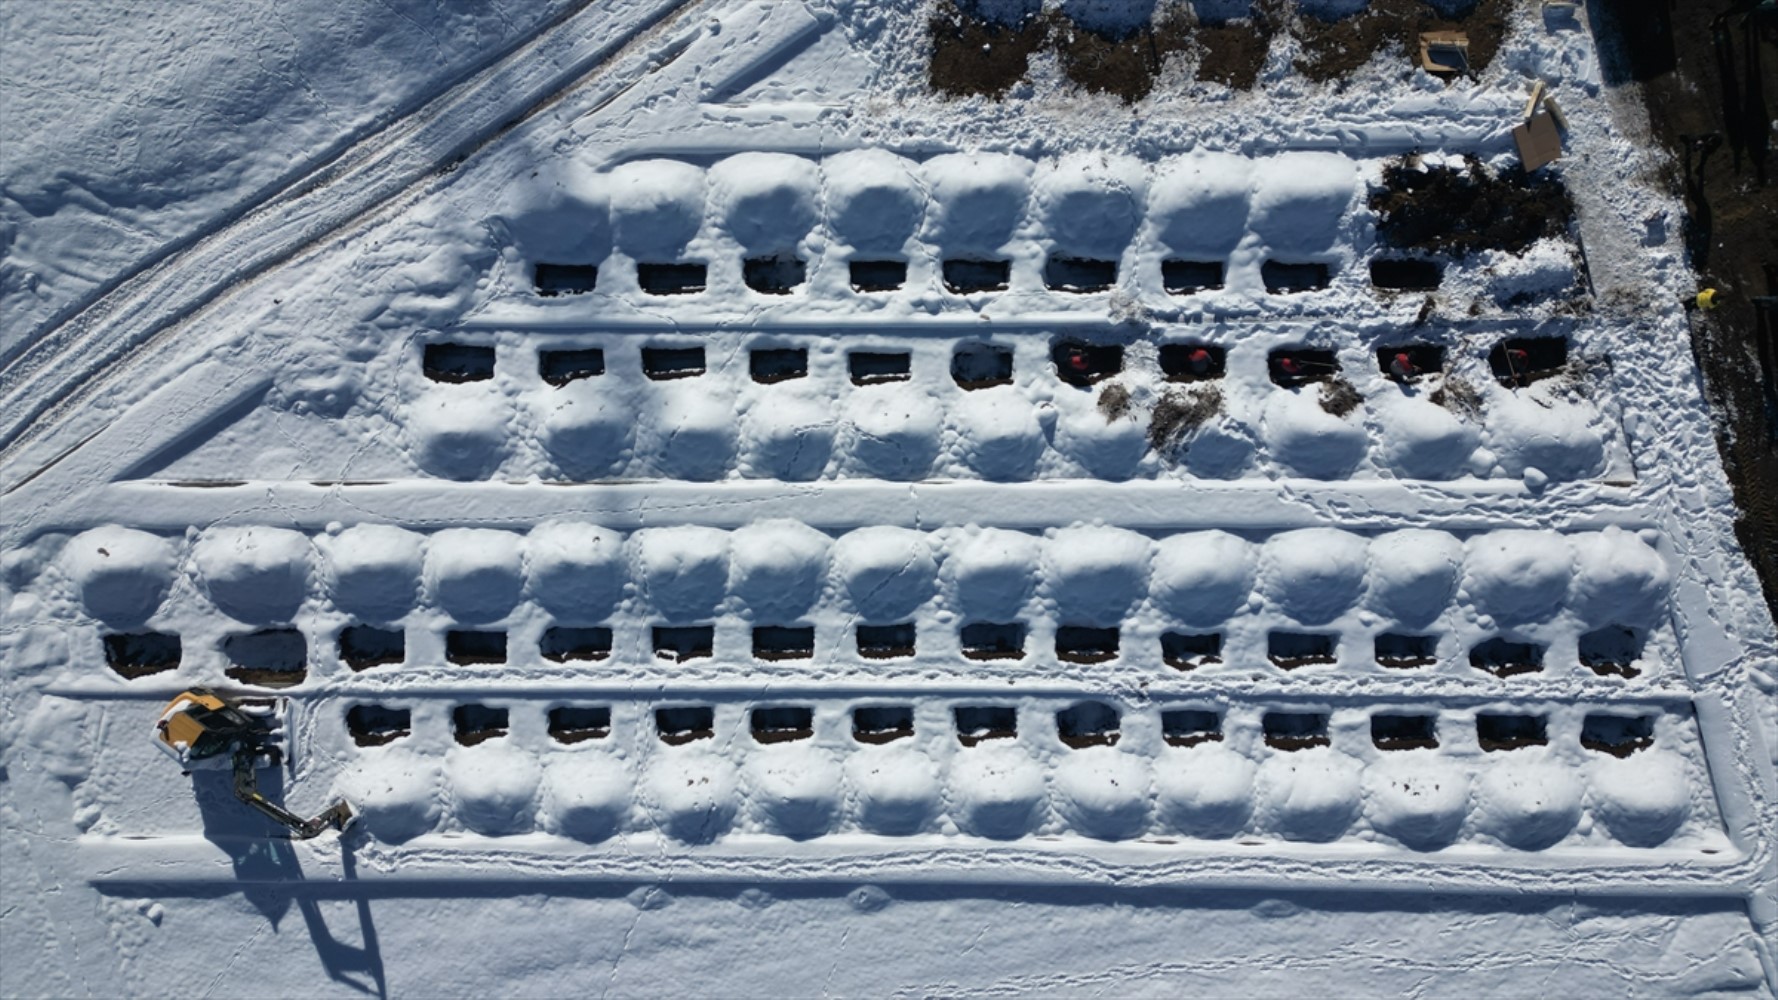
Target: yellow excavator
{"points": [[203, 730]]}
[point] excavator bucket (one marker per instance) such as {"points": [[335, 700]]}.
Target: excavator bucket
{"points": [[202, 729]]}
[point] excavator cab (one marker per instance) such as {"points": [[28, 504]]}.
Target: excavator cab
{"points": [[202, 729]]}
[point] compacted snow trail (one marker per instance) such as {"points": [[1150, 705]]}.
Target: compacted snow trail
{"points": [[366, 176], [754, 527]]}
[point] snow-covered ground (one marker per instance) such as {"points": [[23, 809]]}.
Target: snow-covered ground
{"points": [[895, 638]]}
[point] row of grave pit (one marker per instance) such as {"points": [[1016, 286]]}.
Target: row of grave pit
{"points": [[280, 657]]}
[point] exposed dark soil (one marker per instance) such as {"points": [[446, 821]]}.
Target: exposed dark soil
{"points": [[1505, 658], [783, 725], [569, 724], [976, 56], [1187, 727], [886, 642], [1404, 652], [972, 55], [980, 723], [141, 654], [1180, 413], [1338, 397], [1458, 396], [1445, 210], [376, 725], [1232, 53], [1701, 79], [1511, 732], [1617, 735], [1122, 66], [1082, 644], [473, 725], [1114, 401], [881, 724], [1189, 652], [1332, 50]]}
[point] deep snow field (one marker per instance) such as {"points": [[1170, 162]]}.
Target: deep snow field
{"points": [[732, 521]]}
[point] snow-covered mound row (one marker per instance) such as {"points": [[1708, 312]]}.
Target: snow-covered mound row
{"points": [[1310, 605], [785, 570], [1297, 207], [836, 417], [1629, 776]]}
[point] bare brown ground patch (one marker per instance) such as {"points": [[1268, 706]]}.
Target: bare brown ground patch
{"points": [[1333, 49]]}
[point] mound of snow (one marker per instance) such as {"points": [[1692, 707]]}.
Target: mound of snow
{"points": [[255, 574], [1642, 799], [977, 200], [657, 207], [1530, 805], [791, 439], [396, 795], [1310, 795], [993, 572], [1197, 204], [767, 200], [1314, 575], [576, 571], [894, 431], [1419, 799], [1001, 437], [896, 789], [1090, 202], [586, 796], [1103, 793], [1300, 200], [1561, 439], [1618, 579], [373, 570], [777, 568], [458, 433], [1202, 578], [683, 570], [1224, 448], [1306, 440], [692, 794], [586, 431], [1107, 449], [493, 788], [1419, 440], [996, 792], [1095, 575], [885, 572], [1413, 574], [874, 201], [1517, 576], [120, 575], [695, 432], [795, 791], [1204, 791], [475, 574], [560, 216]]}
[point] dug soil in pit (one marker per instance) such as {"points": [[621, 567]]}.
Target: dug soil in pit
{"points": [[1123, 66], [1445, 210], [1333, 49], [972, 55]]}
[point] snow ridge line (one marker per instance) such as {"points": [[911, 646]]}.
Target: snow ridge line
{"points": [[119, 863], [356, 182]]}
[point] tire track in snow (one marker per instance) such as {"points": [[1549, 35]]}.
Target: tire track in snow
{"points": [[44, 378]]}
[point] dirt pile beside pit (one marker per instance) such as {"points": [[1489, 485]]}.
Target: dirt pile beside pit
{"points": [[1444, 210]]}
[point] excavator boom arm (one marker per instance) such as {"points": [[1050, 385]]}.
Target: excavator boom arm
{"points": [[336, 816]]}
